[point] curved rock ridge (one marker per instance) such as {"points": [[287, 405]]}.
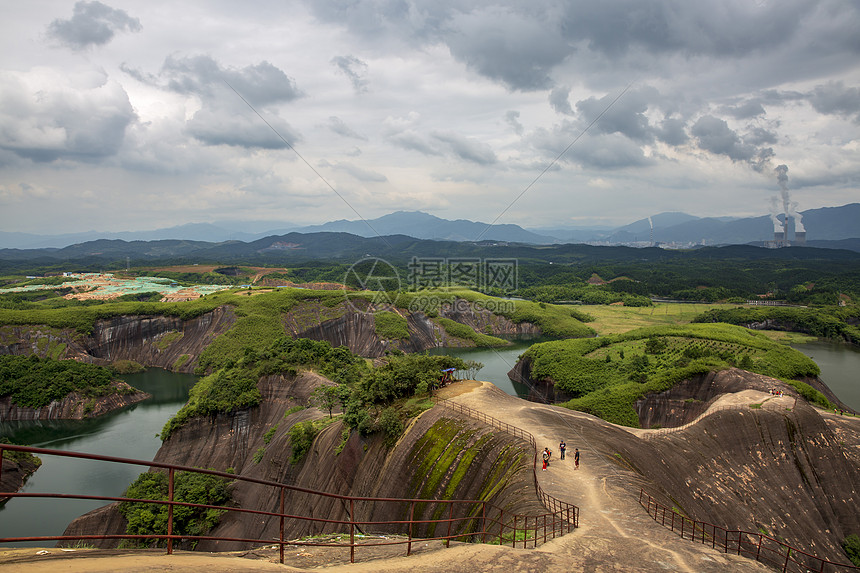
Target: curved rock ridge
{"points": [[441, 455], [74, 406]]}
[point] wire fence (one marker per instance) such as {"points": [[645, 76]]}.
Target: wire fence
{"points": [[755, 545]]}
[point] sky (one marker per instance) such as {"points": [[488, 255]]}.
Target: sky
{"points": [[127, 115]]}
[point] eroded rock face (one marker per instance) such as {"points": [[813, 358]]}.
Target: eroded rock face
{"points": [[159, 341], [440, 455], [780, 471], [14, 475], [74, 406]]}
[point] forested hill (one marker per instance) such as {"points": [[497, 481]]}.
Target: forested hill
{"points": [[344, 247]]}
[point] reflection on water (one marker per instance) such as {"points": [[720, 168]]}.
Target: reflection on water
{"points": [[840, 365], [497, 363], [128, 433]]}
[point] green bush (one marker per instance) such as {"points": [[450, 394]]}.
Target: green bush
{"points": [[459, 330], [301, 438], [390, 325], [34, 382], [189, 487], [851, 545]]}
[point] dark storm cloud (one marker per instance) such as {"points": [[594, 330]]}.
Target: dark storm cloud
{"points": [[836, 99], [692, 28], [715, 135], [338, 126], [91, 24], [517, 50], [519, 44], [354, 69], [608, 151], [625, 116], [467, 149], [672, 131], [745, 110], [558, 100], [757, 136], [260, 84]]}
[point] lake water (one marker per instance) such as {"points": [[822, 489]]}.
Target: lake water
{"points": [[128, 433], [839, 364], [131, 433], [840, 368], [497, 363]]}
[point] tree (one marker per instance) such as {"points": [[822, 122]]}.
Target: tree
{"points": [[326, 397]]}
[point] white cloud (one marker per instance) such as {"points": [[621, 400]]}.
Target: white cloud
{"points": [[464, 102]]}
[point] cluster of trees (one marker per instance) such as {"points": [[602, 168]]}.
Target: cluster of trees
{"points": [[834, 322], [34, 382], [189, 487], [586, 294]]}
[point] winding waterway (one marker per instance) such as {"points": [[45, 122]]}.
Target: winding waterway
{"points": [[129, 433], [132, 433], [840, 368]]}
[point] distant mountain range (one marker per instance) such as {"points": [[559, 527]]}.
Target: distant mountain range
{"points": [[672, 229]]}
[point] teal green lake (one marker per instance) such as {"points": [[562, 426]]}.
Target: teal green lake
{"points": [[128, 433]]}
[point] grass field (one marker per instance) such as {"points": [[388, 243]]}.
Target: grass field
{"points": [[617, 319]]}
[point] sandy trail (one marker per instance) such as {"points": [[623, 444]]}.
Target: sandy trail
{"points": [[615, 534]]}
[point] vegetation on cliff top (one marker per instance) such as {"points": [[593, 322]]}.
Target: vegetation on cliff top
{"points": [[234, 386], [189, 487], [34, 382], [607, 375], [830, 322]]}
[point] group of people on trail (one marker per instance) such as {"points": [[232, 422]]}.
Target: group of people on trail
{"points": [[562, 447]]}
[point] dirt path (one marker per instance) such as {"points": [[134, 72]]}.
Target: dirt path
{"points": [[615, 534]]}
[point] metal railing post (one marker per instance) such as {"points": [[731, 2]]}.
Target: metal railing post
{"points": [[515, 531], [170, 476], [281, 527], [450, 520], [352, 531], [501, 524], [411, 520]]}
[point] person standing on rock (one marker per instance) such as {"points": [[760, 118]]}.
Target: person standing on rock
{"points": [[561, 448], [576, 459], [545, 458]]}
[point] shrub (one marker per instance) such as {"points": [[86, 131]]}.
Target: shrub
{"points": [[189, 487], [851, 545], [301, 438], [390, 325]]}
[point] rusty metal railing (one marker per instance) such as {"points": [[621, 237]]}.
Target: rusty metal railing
{"points": [[467, 520], [758, 546], [566, 513]]}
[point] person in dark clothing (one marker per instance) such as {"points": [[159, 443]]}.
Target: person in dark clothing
{"points": [[576, 459], [561, 448]]}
